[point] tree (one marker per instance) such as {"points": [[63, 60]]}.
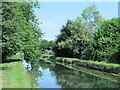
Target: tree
{"points": [[108, 41], [46, 45], [91, 18], [60, 48], [69, 43], [51, 44], [10, 29], [20, 29]]}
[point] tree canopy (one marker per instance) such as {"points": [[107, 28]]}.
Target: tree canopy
{"points": [[20, 31], [90, 38]]}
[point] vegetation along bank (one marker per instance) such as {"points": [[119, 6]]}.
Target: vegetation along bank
{"points": [[102, 66]]}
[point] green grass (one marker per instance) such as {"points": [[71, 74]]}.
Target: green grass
{"points": [[16, 56], [14, 76], [48, 57], [89, 61], [103, 63]]}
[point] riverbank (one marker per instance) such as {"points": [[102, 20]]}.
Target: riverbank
{"points": [[102, 66], [14, 75]]}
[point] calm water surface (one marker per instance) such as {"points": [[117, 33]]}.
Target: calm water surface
{"points": [[51, 75]]}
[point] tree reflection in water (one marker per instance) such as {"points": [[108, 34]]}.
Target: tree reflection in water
{"points": [[68, 78]]}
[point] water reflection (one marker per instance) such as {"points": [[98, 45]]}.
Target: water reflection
{"points": [[57, 76], [47, 77], [68, 78], [27, 65]]}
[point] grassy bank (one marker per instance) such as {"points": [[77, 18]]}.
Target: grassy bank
{"points": [[14, 75], [103, 66], [17, 57]]}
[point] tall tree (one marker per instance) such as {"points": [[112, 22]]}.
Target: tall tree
{"points": [[20, 29], [60, 48], [69, 43], [108, 41], [92, 18]]}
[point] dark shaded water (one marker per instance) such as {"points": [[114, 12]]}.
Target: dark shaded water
{"points": [[47, 75]]}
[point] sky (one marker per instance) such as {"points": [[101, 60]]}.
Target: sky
{"points": [[54, 15]]}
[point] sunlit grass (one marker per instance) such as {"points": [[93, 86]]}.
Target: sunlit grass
{"points": [[17, 56], [89, 61], [14, 76], [103, 63]]}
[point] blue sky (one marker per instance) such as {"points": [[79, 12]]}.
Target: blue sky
{"points": [[55, 14]]}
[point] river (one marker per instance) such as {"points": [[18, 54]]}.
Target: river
{"points": [[55, 75]]}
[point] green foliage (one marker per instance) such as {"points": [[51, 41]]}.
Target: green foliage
{"points": [[20, 30], [90, 38], [51, 44], [61, 48], [46, 45], [75, 38], [9, 29], [108, 41], [91, 18]]}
